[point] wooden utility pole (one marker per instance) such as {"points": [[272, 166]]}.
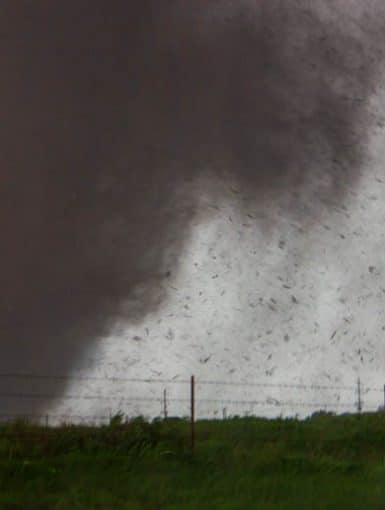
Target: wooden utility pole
{"points": [[192, 413]]}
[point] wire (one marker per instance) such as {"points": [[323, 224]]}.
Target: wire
{"points": [[184, 381]]}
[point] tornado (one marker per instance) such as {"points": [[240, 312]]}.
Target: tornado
{"points": [[118, 117]]}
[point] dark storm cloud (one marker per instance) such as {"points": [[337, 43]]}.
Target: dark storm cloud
{"points": [[109, 112]]}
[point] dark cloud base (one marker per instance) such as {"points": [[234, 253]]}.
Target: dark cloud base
{"points": [[109, 112]]}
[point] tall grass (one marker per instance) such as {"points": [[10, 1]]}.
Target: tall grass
{"points": [[323, 462]]}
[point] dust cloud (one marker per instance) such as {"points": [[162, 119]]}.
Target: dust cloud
{"points": [[110, 115]]}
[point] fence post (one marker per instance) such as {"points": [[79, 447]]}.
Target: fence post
{"points": [[165, 404], [359, 403], [192, 413], [384, 399]]}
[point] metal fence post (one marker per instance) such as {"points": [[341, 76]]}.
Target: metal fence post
{"points": [[384, 399], [192, 413], [165, 404], [359, 403]]}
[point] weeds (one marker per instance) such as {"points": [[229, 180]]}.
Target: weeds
{"points": [[238, 463]]}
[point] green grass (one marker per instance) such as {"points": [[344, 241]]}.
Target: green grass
{"points": [[326, 462]]}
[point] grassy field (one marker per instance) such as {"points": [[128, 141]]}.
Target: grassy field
{"points": [[326, 462]]}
